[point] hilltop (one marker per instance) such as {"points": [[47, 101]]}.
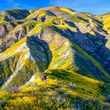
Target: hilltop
{"points": [[54, 58]]}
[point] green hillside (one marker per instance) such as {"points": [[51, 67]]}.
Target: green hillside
{"points": [[54, 59]]}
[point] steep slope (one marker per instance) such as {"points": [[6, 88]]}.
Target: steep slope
{"points": [[55, 54], [106, 19]]}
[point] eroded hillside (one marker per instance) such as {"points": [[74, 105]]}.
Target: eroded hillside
{"points": [[54, 58]]}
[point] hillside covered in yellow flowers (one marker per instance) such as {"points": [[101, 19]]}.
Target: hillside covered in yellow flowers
{"points": [[54, 59]]}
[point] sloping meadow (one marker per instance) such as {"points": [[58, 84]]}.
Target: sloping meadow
{"points": [[53, 59]]}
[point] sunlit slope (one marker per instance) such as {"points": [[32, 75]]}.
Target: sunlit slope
{"points": [[69, 47], [106, 21]]}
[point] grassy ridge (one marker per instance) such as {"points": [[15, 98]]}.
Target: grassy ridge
{"points": [[49, 47]]}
